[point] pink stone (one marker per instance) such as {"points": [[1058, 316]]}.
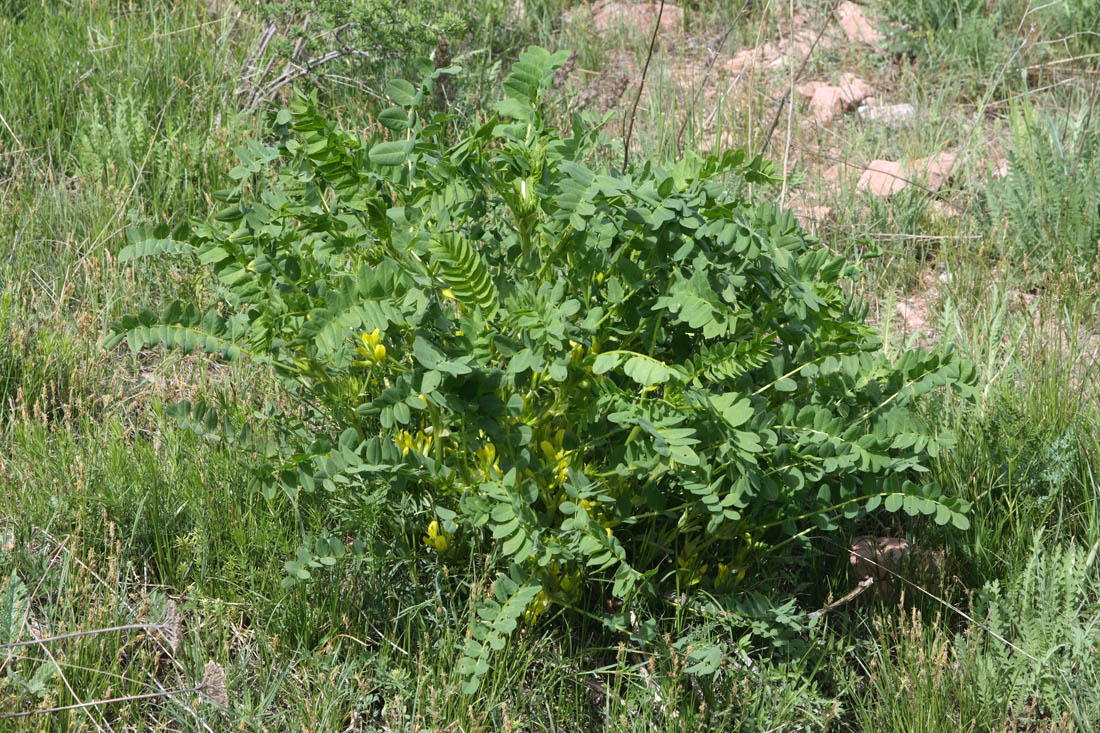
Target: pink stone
{"points": [[875, 557], [640, 17], [936, 170], [856, 26], [854, 89], [827, 103], [807, 89], [882, 178]]}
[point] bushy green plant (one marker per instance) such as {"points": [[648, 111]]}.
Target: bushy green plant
{"points": [[1049, 201], [1078, 21], [610, 385], [1038, 652]]}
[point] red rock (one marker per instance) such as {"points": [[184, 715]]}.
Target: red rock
{"points": [[883, 178], [854, 89], [827, 103], [936, 170], [807, 89], [856, 26], [875, 557], [639, 17]]}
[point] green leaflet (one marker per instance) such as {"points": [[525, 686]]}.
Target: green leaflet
{"points": [[497, 618], [464, 272]]}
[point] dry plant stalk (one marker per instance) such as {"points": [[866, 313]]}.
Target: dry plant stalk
{"points": [[213, 687]]}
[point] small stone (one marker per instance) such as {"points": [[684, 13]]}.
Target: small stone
{"points": [[856, 26], [936, 170], [853, 89], [882, 178], [827, 103], [888, 113], [832, 173], [807, 89], [875, 557], [749, 57], [639, 17]]}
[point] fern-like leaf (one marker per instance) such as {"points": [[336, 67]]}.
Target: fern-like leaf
{"points": [[497, 618], [465, 273], [154, 247]]}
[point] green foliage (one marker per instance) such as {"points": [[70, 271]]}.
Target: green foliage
{"points": [[1047, 614], [606, 384], [1050, 199], [962, 39], [1026, 658], [1078, 21], [22, 678], [307, 40], [934, 15]]}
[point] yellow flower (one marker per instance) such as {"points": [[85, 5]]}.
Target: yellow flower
{"points": [[435, 538], [486, 457], [576, 353], [448, 294], [548, 450], [372, 351], [537, 608]]}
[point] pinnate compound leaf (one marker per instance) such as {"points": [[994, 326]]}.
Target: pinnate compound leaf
{"points": [[154, 248], [465, 273], [497, 619]]}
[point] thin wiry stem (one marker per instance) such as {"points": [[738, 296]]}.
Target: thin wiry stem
{"points": [[75, 634], [641, 85]]}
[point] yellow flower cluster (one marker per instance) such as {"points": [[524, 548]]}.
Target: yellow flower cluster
{"points": [[556, 457], [371, 351], [538, 607], [486, 457], [419, 443], [568, 584], [576, 353], [436, 538], [690, 570]]}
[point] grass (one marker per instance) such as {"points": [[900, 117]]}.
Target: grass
{"points": [[116, 113]]}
